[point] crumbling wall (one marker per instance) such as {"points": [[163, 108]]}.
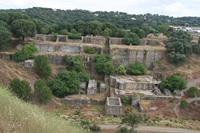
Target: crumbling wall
{"points": [[116, 41], [70, 48], [94, 39], [45, 47], [126, 56], [113, 106]]}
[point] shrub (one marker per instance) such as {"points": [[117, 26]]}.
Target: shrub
{"points": [[176, 58], [125, 129], [19, 56], [39, 84], [95, 128], [90, 51], [84, 77], [125, 99], [131, 38], [173, 82], [21, 88], [44, 94], [193, 91], [108, 67], [131, 119], [78, 66], [184, 103], [121, 70], [135, 68], [42, 67]]}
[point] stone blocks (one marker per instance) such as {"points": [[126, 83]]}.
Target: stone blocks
{"points": [[113, 106]]}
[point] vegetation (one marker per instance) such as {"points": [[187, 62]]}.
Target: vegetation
{"points": [[193, 91], [100, 60], [172, 82], [125, 99], [139, 32], [108, 67], [85, 124], [44, 94], [42, 67], [25, 117], [131, 38], [184, 104], [39, 84], [124, 129], [121, 70], [135, 68], [5, 36], [90, 51], [21, 88]]}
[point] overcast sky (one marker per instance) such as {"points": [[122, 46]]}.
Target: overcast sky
{"points": [[176, 8]]}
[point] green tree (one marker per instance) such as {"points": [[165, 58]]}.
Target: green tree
{"points": [[95, 128], [125, 99], [163, 29], [5, 36], [131, 38], [22, 28], [44, 94], [90, 51], [193, 91], [42, 67], [141, 33], [172, 82], [148, 30], [176, 58], [41, 27], [40, 83], [131, 119], [84, 76], [184, 104], [135, 68], [199, 41], [108, 67], [19, 56], [124, 129], [121, 70], [20, 87], [78, 66], [29, 50]]}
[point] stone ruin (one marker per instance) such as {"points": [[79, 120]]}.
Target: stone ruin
{"points": [[29, 63], [44, 38], [113, 106], [92, 88], [116, 41], [83, 88], [7, 55], [94, 39], [102, 88]]}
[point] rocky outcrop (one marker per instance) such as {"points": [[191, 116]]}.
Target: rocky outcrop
{"points": [[125, 56]]}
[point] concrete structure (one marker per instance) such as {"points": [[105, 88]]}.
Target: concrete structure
{"points": [[28, 63], [92, 88], [113, 106]]}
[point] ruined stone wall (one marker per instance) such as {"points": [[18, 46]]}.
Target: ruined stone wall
{"points": [[95, 39], [116, 41], [82, 101], [126, 56], [70, 48], [45, 47]]}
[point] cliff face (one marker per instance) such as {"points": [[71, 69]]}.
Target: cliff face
{"points": [[125, 56]]}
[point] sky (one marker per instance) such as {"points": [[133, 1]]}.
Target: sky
{"points": [[176, 8]]}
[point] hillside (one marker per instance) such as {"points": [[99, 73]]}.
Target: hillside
{"points": [[120, 19], [20, 117]]}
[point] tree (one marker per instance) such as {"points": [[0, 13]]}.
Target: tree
{"points": [[121, 70], [42, 67], [172, 82], [141, 33], [78, 66], [5, 36], [125, 99], [29, 50], [124, 129], [19, 56], [199, 41], [20, 87], [41, 27], [95, 128], [39, 84], [44, 94], [108, 67], [177, 58], [131, 38], [193, 91], [131, 119], [22, 28], [135, 68], [163, 29], [184, 104], [84, 76], [90, 51]]}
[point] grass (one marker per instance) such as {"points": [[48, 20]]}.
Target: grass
{"points": [[20, 117]]}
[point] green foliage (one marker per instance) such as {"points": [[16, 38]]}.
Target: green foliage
{"points": [[70, 60], [41, 27], [121, 70], [95, 128], [141, 33], [172, 82], [42, 67], [85, 124], [124, 129], [163, 29], [19, 56], [199, 41], [5, 35], [78, 66], [65, 83], [148, 29], [108, 67], [39, 84], [22, 28], [196, 48], [131, 119], [84, 76], [90, 51], [44, 94], [131, 38], [20, 87], [100, 60], [125, 99], [184, 104], [193, 91], [177, 58], [29, 50], [135, 68]]}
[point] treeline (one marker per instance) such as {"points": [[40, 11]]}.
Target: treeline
{"points": [[119, 19]]}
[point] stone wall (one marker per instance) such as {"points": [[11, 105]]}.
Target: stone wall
{"points": [[94, 39], [116, 41], [113, 106], [126, 56], [82, 101]]}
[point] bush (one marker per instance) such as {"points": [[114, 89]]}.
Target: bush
{"points": [[19, 56], [131, 119], [131, 38], [39, 84], [42, 67], [78, 66], [176, 58], [90, 51], [135, 68], [125, 99], [193, 91], [121, 70], [21, 88], [184, 103], [108, 67], [84, 76], [95, 128], [173, 82], [44, 94]]}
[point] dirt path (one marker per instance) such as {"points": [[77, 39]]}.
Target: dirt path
{"points": [[155, 128]]}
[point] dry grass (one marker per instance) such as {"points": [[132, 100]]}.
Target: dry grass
{"points": [[20, 117]]}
